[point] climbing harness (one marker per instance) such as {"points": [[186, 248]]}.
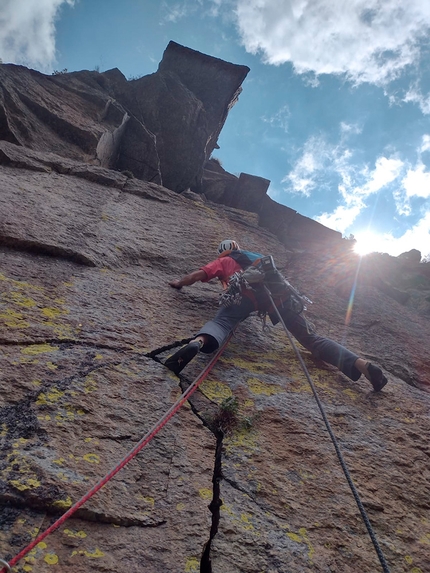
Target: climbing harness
{"points": [[281, 288], [254, 277], [137, 448], [355, 493], [233, 293]]}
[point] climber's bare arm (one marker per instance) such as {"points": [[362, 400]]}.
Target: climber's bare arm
{"points": [[188, 280]]}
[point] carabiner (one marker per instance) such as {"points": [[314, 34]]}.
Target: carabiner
{"points": [[5, 564]]}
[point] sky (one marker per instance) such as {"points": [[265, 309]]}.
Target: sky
{"points": [[334, 111]]}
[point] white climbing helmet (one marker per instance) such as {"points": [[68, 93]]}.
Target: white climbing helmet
{"points": [[227, 245]]}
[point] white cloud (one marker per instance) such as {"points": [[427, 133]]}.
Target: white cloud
{"points": [[385, 172], [368, 40], [341, 218], [174, 12], [319, 158], [350, 128], [27, 31], [302, 179], [215, 8], [280, 119], [425, 145], [356, 187], [417, 237], [414, 95], [417, 182]]}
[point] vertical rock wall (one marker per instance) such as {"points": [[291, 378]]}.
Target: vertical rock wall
{"points": [[86, 254]]}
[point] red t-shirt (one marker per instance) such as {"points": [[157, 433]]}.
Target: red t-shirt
{"points": [[221, 268]]}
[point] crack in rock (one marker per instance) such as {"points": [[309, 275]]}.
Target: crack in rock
{"points": [[47, 250]]}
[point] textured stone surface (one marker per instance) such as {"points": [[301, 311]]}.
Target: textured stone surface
{"points": [[86, 254], [216, 83], [175, 115], [248, 192]]}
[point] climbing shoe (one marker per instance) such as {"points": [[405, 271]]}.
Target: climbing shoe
{"points": [[376, 377], [177, 362]]}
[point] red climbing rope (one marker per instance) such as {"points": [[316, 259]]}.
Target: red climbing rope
{"points": [[137, 448]]}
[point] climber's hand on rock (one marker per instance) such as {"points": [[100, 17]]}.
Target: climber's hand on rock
{"points": [[176, 284]]}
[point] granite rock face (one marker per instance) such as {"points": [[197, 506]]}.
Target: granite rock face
{"points": [[160, 128], [175, 115], [107, 193], [244, 478], [248, 192]]}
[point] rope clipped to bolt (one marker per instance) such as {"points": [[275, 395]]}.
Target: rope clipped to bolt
{"points": [[355, 493], [137, 448]]}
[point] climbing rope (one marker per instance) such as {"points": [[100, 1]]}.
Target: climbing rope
{"points": [[165, 419], [137, 448], [355, 493]]}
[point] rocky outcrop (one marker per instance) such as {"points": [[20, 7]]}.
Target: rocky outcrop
{"points": [[249, 193], [412, 256], [174, 115], [86, 254], [160, 128], [216, 83]]}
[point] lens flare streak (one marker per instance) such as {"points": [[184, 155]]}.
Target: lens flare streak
{"points": [[348, 315]]}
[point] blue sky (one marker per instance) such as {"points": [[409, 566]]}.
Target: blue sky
{"points": [[335, 110]]}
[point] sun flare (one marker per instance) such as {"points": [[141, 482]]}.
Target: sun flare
{"points": [[368, 242]]}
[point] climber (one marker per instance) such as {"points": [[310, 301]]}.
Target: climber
{"points": [[230, 264]]}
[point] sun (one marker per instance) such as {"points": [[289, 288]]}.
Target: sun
{"points": [[367, 242]]}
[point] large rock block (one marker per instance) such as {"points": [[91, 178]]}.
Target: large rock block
{"points": [[249, 193], [216, 83], [38, 112], [174, 116], [178, 120]]}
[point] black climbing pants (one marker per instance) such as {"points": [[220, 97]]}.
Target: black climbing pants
{"points": [[323, 348]]}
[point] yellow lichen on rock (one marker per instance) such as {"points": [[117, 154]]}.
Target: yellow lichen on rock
{"points": [[52, 312], [35, 349], [215, 390], [90, 384], [26, 483], [243, 439], [51, 559], [260, 387], [63, 503], [48, 398], [91, 458], [76, 534], [94, 554], [192, 565], [13, 319], [22, 300], [302, 537]]}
